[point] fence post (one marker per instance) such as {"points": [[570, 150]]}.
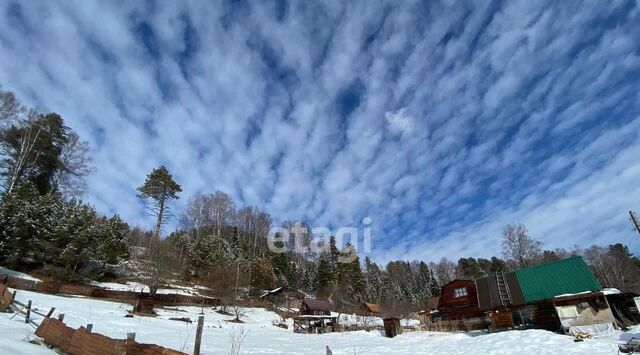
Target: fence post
{"points": [[26, 318], [61, 317], [328, 350], [89, 327], [131, 336], [196, 347]]}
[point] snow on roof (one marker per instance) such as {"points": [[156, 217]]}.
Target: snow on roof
{"points": [[572, 294], [272, 292], [606, 291]]}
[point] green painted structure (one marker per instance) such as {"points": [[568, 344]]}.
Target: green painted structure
{"points": [[549, 280], [536, 283]]}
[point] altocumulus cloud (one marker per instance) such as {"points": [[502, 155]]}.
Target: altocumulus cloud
{"points": [[441, 121]]}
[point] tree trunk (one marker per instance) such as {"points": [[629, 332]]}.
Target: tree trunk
{"points": [[159, 220]]}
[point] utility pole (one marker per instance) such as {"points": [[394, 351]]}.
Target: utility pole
{"points": [[635, 221]]}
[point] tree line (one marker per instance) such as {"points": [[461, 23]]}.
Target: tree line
{"points": [[227, 247]]}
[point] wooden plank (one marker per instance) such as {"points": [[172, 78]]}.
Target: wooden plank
{"points": [[26, 319], [196, 347], [38, 313], [19, 303]]}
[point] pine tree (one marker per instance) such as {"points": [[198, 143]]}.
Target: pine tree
{"points": [[112, 240], [262, 275], [468, 268], [161, 188], [325, 273], [434, 287], [498, 265], [423, 282]]}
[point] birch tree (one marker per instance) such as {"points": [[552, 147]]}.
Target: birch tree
{"points": [[518, 245]]}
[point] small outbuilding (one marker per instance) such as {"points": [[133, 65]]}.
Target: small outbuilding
{"points": [[144, 305], [314, 317], [392, 326], [431, 306]]}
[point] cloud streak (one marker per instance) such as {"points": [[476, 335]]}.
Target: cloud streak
{"points": [[443, 122]]}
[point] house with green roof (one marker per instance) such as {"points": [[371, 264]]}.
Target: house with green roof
{"points": [[536, 283], [528, 296]]}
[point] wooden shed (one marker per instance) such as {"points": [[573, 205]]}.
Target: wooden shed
{"points": [[144, 305], [392, 326], [314, 317], [431, 306]]}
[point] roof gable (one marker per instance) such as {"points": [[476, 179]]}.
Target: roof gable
{"points": [[317, 305], [372, 307]]}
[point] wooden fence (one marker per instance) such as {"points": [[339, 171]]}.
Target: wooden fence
{"points": [[99, 292], [81, 341]]}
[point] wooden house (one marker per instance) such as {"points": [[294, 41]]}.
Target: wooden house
{"points": [[458, 308], [525, 298]]}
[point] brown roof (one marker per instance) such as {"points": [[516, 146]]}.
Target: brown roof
{"points": [[317, 305], [372, 307], [432, 303]]}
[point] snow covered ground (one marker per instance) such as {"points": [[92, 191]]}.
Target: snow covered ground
{"points": [[16, 335], [263, 338], [139, 287]]}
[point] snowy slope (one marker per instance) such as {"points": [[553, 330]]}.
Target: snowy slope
{"points": [[18, 274], [263, 338], [139, 287]]}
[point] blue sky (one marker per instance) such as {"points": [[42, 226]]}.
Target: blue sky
{"points": [[442, 121]]}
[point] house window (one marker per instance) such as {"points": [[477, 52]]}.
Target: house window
{"points": [[521, 318], [460, 292]]}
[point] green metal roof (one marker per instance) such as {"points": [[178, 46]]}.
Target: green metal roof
{"points": [[546, 281]]}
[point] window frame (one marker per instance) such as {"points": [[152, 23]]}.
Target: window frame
{"points": [[460, 292]]}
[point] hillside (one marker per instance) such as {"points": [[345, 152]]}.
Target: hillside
{"points": [[262, 337]]}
